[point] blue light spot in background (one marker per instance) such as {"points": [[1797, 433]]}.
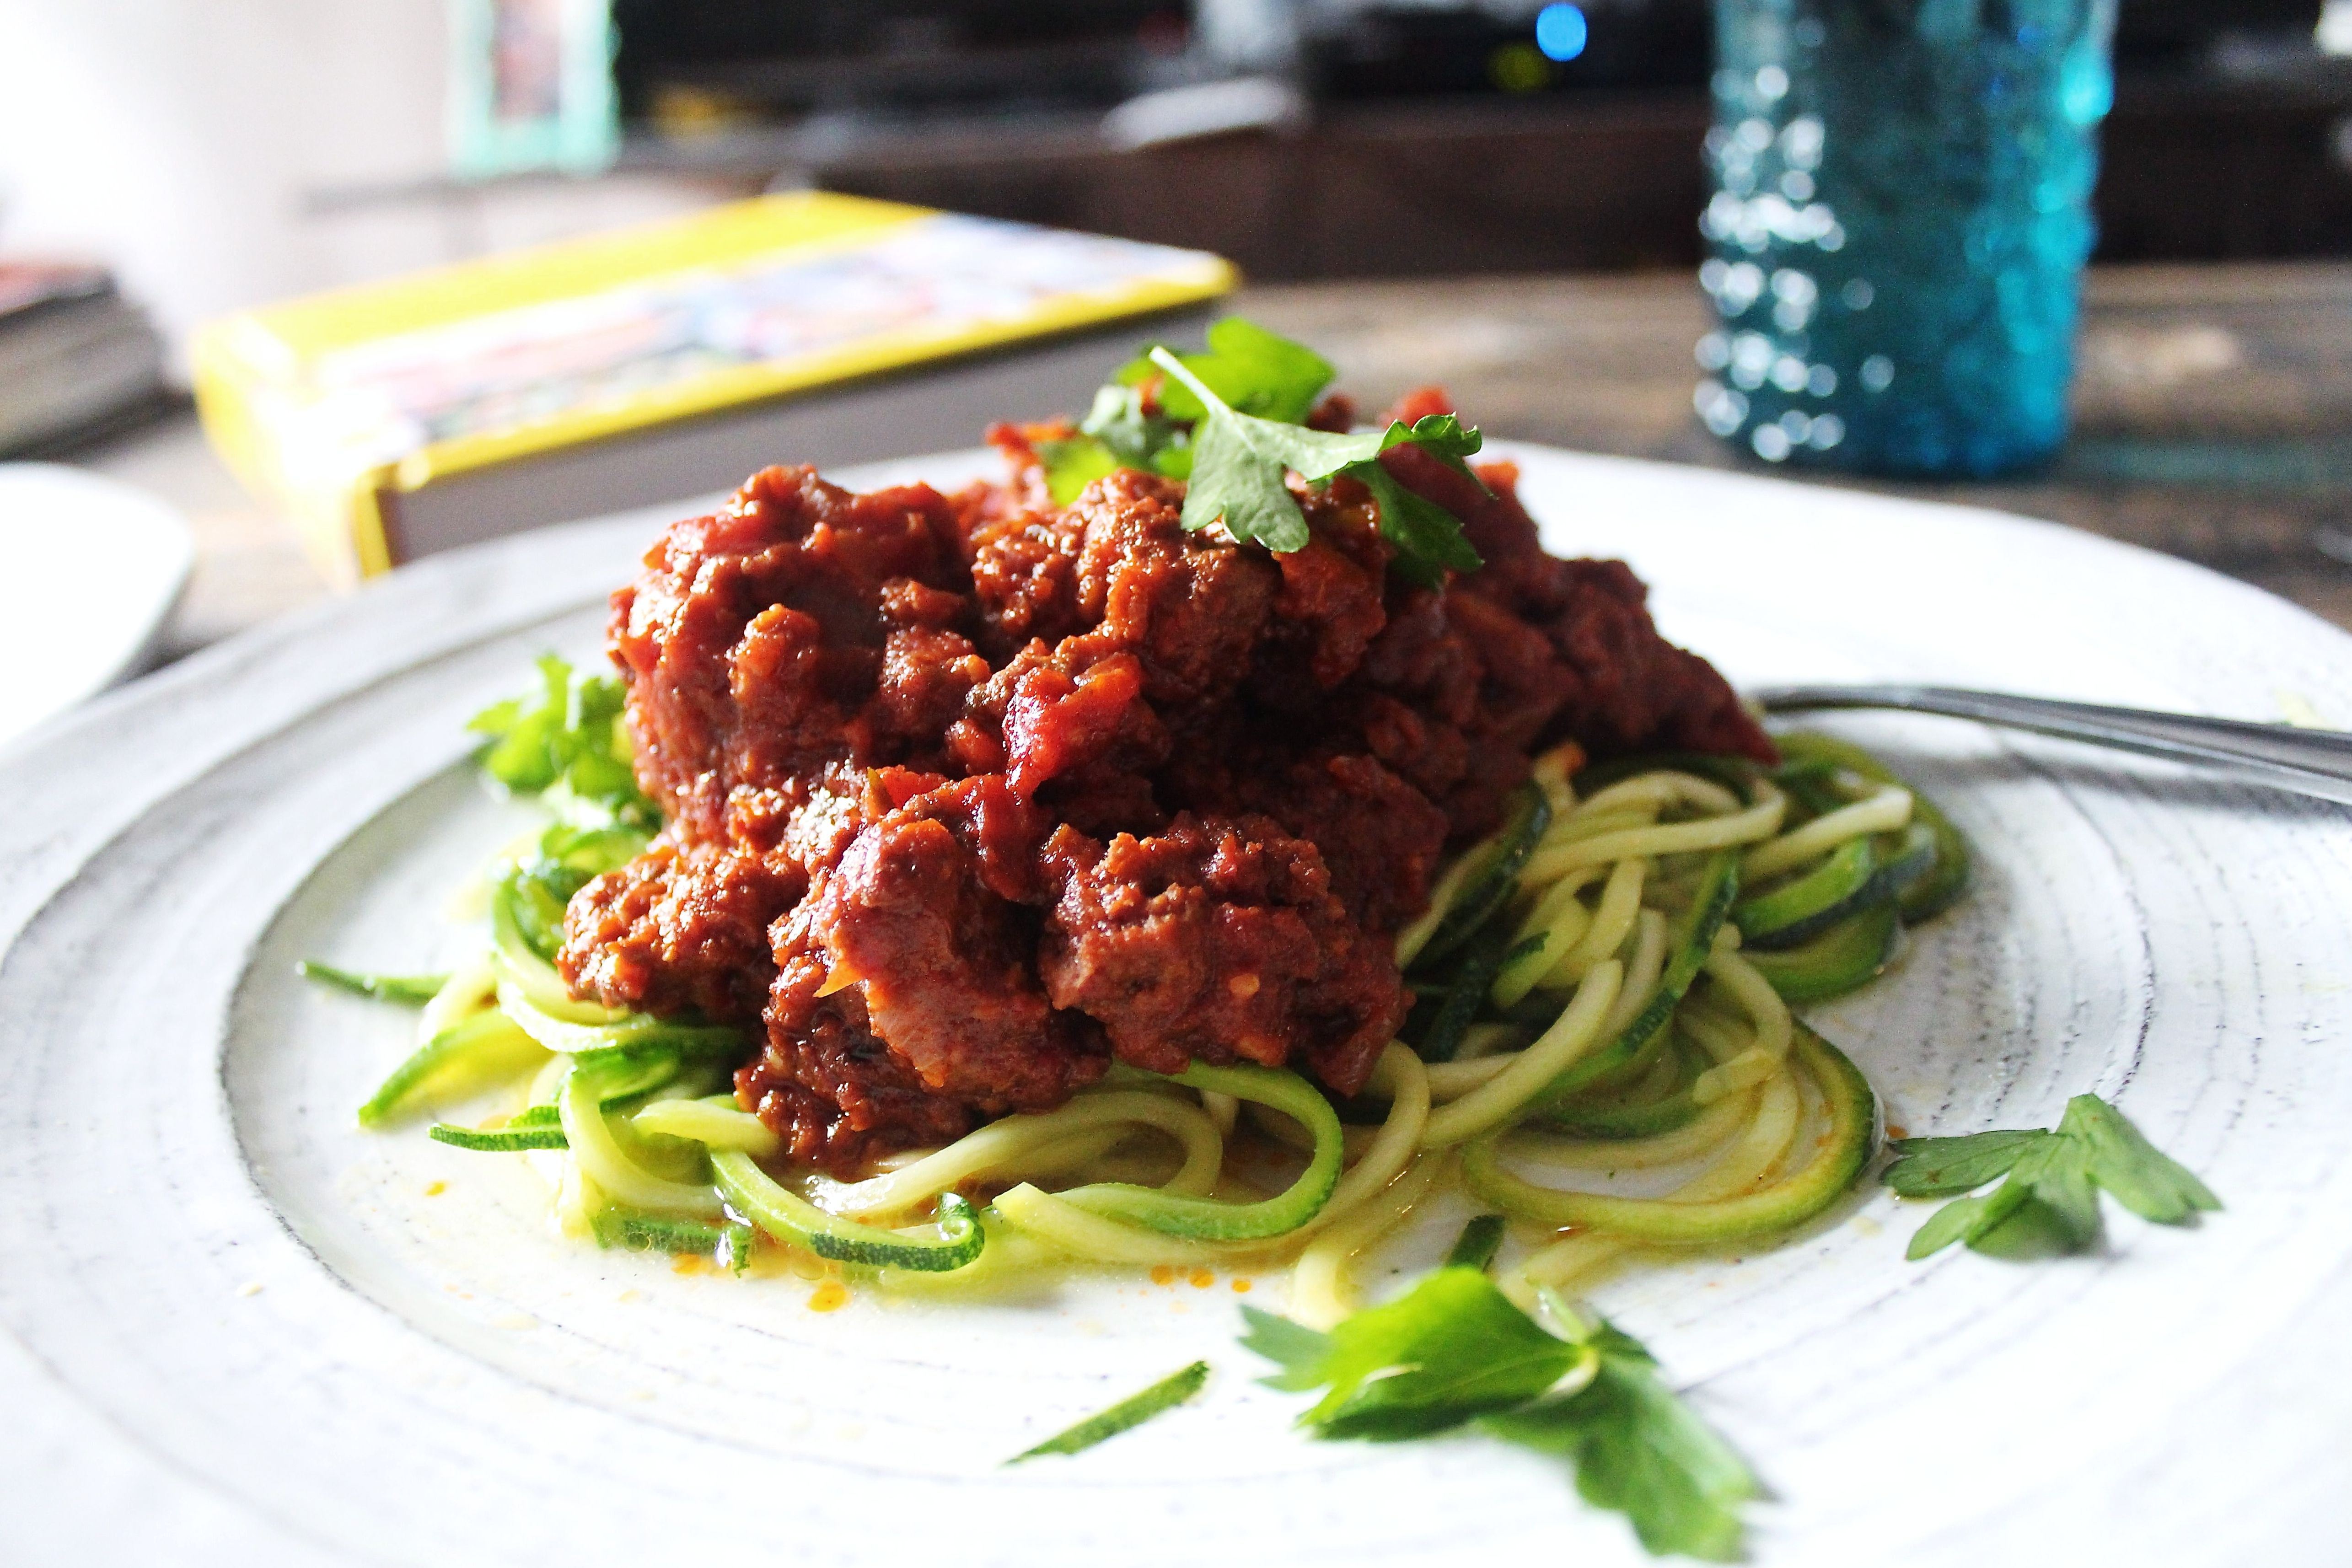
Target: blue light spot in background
{"points": [[1561, 31]]}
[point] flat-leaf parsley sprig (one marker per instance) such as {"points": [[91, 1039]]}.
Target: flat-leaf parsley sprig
{"points": [[1229, 422], [1239, 461], [569, 741], [1142, 420], [2048, 1200], [1454, 1353]]}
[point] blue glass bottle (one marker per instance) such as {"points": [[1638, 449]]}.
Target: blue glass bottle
{"points": [[1900, 218]]}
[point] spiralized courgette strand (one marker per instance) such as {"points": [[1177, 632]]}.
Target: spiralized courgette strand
{"points": [[1712, 896], [1606, 984]]}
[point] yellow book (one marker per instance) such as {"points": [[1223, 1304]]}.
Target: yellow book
{"points": [[401, 419]]}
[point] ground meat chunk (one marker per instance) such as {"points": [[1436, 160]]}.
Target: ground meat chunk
{"points": [[679, 928], [968, 795], [1633, 691], [932, 914], [1379, 838], [917, 948], [1024, 579], [1041, 718], [1188, 606], [754, 637], [1628, 688], [1332, 602], [832, 1087], [1218, 938]]}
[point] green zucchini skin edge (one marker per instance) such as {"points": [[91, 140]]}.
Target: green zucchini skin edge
{"points": [[1133, 1411], [405, 990], [1478, 1243], [499, 1140], [1937, 891], [1497, 883], [794, 1220], [1847, 881], [1843, 958], [656, 1233], [1467, 994], [1677, 1110], [1608, 1122], [1854, 1112], [1719, 887], [1208, 1219]]}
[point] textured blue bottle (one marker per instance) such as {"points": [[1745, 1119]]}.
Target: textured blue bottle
{"points": [[1900, 218]]}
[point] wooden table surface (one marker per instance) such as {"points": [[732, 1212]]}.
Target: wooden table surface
{"points": [[2215, 415]]}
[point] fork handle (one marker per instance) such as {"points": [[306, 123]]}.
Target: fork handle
{"points": [[2308, 762]]}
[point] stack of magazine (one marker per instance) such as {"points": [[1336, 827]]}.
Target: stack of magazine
{"points": [[75, 358]]}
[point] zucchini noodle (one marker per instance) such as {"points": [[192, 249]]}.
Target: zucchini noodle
{"points": [[1606, 984], [1452, 1080], [468, 989], [1642, 969], [596, 1146], [1006, 1144], [1605, 932], [1749, 825], [1401, 1077], [1886, 811], [714, 1124], [1525, 1074], [1765, 1010], [1561, 921], [1320, 1292], [1704, 1131]]}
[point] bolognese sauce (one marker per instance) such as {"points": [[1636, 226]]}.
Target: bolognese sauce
{"points": [[970, 795]]}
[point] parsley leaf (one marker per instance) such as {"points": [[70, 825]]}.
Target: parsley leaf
{"points": [[2048, 1198], [1938, 1167], [571, 736], [1126, 430], [1117, 433], [2149, 1183], [1248, 368], [1240, 460], [1229, 421], [1299, 1351], [1638, 1450], [1450, 1348], [1453, 1352], [1073, 464]]}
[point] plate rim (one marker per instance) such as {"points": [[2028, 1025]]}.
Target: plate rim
{"points": [[287, 640]]}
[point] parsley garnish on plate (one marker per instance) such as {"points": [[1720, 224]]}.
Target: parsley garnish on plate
{"points": [[2048, 1200], [1143, 420], [1229, 422], [1454, 1353], [1252, 369], [571, 735]]}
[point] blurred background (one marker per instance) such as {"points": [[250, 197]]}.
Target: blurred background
{"points": [[221, 152], [1499, 195]]}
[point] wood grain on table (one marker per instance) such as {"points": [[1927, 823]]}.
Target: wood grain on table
{"points": [[2213, 414]]}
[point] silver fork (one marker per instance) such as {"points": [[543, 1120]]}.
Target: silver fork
{"points": [[2308, 762]]}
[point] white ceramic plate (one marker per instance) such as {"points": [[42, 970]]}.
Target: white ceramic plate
{"points": [[94, 567], [239, 1330]]}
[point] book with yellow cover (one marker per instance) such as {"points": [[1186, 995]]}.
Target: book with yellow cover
{"points": [[401, 419]]}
